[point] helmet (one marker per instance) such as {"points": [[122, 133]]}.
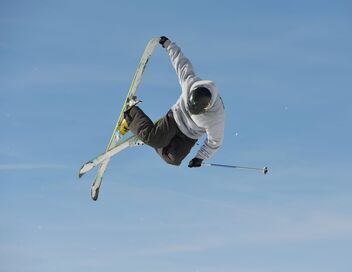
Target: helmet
{"points": [[199, 100]]}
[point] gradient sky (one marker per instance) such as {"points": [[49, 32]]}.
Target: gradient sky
{"points": [[284, 71]]}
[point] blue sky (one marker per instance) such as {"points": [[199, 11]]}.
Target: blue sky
{"points": [[283, 69]]}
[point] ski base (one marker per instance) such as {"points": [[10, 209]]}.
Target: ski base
{"points": [[115, 144], [129, 142]]}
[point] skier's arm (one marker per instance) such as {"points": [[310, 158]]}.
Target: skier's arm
{"points": [[181, 64], [215, 136]]}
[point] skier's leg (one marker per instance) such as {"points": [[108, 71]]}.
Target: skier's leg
{"points": [[177, 150], [155, 135]]}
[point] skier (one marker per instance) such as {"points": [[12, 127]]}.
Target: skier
{"points": [[198, 110]]}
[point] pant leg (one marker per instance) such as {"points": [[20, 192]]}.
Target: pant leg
{"points": [[164, 136], [155, 135], [177, 150]]}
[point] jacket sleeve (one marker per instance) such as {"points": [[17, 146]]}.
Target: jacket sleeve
{"points": [[183, 67], [215, 136]]}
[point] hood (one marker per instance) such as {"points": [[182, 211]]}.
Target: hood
{"points": [[210, 86]]}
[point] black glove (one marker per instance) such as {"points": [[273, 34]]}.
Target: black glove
{"points": [[195, 162], [164, 41]]}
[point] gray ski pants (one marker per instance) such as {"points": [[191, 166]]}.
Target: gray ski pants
{"points": [[164, 136]]}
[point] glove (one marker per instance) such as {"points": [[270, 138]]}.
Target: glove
{"points": [[164, 41], [195, 162]]}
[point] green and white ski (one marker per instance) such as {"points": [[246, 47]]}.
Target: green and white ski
{"points": [[122, 144], [116, 137], [129, 142]]}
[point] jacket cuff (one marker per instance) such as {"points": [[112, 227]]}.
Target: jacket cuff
{"points": [[201, 155], [167, 43]]}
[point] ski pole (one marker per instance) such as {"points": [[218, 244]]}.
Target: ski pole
{"points": [[264, 170]]}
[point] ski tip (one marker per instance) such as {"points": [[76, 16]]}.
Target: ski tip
{"points": [[94, 193], [81, 173], [85, 168]]}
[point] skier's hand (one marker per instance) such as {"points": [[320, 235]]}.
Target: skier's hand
{"points": [[195, 162], [164, 41]]}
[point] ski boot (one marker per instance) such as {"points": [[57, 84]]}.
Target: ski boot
{"points": [[131, 102]]}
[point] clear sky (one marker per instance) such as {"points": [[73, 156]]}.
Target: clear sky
{"points": [[284, 71]]}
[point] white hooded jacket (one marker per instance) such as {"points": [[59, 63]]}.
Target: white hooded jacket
{"points": [[194, 126]]}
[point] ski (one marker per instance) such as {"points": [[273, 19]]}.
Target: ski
{"points": [[129, 142], [116, 137], [121, 145]]}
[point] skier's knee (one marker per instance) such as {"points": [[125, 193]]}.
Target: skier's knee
{"points": [[170, 159], [174, 163]]}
